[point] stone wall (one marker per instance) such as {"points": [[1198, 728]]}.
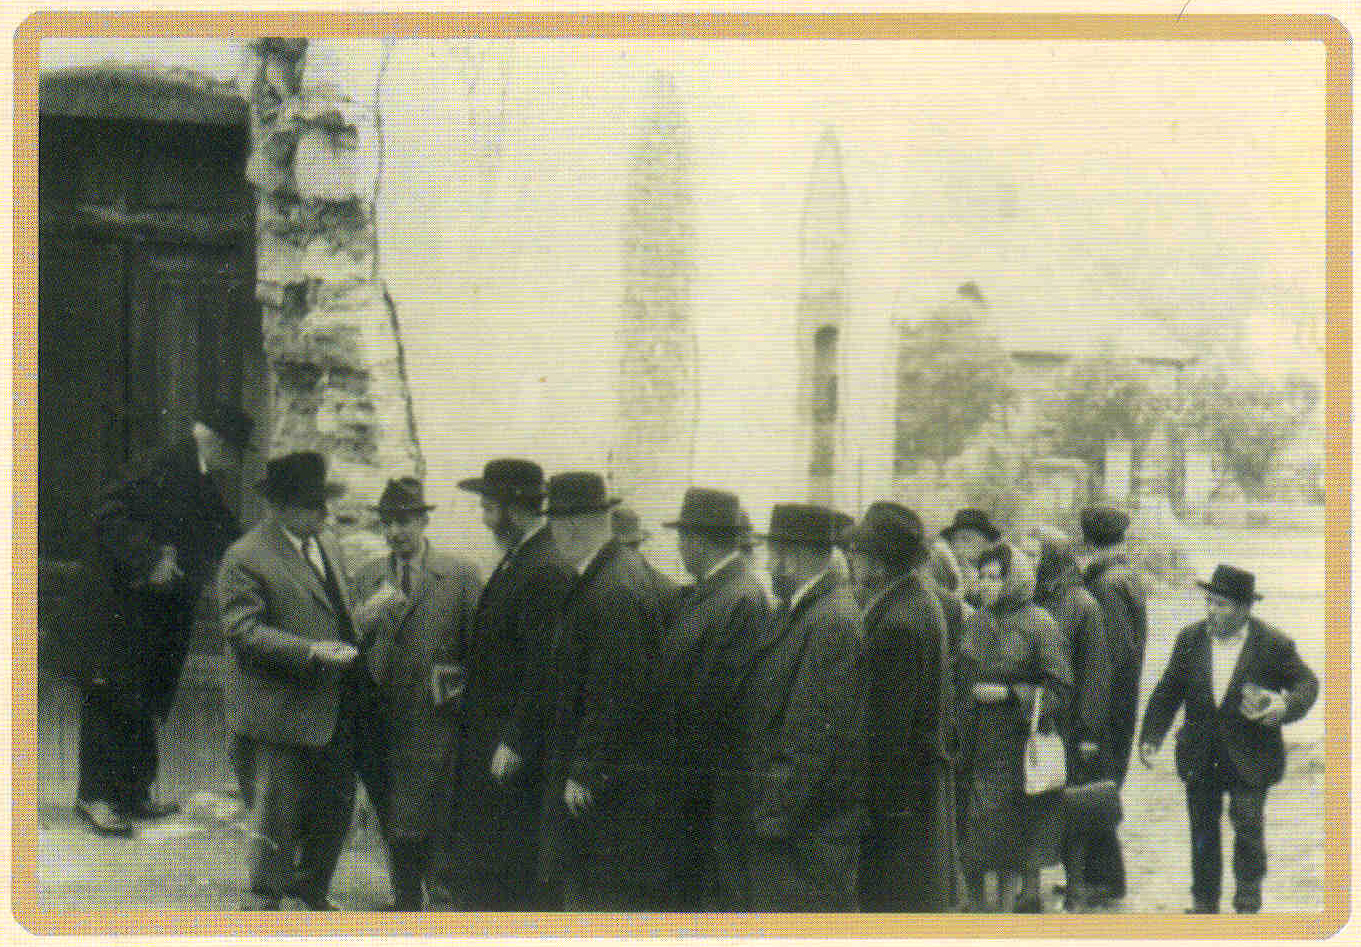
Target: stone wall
{"points": [[336, 372]]}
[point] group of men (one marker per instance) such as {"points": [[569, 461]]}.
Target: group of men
{"points": [[579, 732]]}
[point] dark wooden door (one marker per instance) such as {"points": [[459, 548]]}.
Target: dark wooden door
{"points": [[146, 304]]}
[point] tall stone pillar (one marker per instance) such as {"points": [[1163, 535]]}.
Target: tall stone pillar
{"points": [[336, 376], [822, 309], [653, 454]]}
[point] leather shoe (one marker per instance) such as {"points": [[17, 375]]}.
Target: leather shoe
{"points": [[153, 809], [101, 817], [1203, 909]]}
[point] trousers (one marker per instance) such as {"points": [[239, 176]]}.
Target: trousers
{"points": [[1205, 807], [118, 757]]}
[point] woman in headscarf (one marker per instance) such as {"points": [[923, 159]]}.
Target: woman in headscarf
{"points": [[1012, 654]]}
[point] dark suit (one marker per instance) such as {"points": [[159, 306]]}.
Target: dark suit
{"points": [[1120, 592], [908, 854], [309, 724], [129, 646], [609, 736], [706, 655], [1219, 750], [496, 836], [806, 711]]}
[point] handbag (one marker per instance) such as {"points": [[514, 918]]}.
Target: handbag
{"points": [[1044, 762], [1092, 806]]}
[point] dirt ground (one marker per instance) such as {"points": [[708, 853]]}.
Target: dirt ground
{"points": [[195, 862]]}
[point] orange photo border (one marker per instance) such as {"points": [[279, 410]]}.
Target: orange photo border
{"points": [[709, 26]]}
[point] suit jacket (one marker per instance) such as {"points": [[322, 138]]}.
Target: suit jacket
{"points": [[273, 607], [1220, 733], [1080, 620], [706, 654]]}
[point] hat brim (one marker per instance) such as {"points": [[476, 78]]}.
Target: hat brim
{"points": [[390, 511], [479, 485], [575, 510], [703, 529], [271, 491], [1217, 590], [828, 543], [991, 535]]}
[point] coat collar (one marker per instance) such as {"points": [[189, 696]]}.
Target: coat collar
{"points": [[827, 583], [302, 570], [889, 594]]}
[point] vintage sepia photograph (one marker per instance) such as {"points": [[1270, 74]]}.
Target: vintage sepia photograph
{"points": [[663, 474]]}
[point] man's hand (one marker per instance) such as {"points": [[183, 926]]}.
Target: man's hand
{"points": [[336, 655], [166, 570], [577, 797], [1146, 753], [1087, 749], [1270, 715], [505, 763]]}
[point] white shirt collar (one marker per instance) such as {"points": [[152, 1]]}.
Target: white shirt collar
{"points": [[297, 541], [720, 564], [803, 589], [202, 464]]}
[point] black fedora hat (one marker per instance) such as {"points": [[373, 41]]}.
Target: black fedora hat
{"points": [[1104, 525], [578, 492], [228, 421], [402, 496], [1232, 582], [298, 479], [976, 520], [889, 532], [627, 527], [508, 478], [715, 513], [803, 524]]}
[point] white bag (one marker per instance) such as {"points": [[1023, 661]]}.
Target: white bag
{"points": [[1045, 764]]}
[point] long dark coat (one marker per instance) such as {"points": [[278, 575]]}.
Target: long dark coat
{"points": [[1220, 733], [806, 707], [402, 646], [1120, 592], [122, 630], [707, 653], [1013, 642], [507, 701], [609, 735], [908, 856], [1081, 623]]}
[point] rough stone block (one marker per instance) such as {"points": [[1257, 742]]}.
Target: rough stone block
{"points": [[321, 169], [277, 260], [328, 264]]}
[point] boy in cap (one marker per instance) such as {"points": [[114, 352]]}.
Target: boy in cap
{"points": [[1239, 680], [1118, 588]]}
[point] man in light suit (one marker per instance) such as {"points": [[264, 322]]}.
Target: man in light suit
{"points": [[293, 684], [1240, 680], [415, 612]]}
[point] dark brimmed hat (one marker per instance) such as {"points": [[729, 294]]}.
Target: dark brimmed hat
{"points": [[1232, 582], [510, 479], [713, 513], [890, 533], [578, 492], [976, 520], [802, 524], [228, 421], [1104, 525], [627, 527], [402, 496], [298, 479]]}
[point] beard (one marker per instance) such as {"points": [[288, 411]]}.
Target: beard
{"points": [[504, 532]]}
